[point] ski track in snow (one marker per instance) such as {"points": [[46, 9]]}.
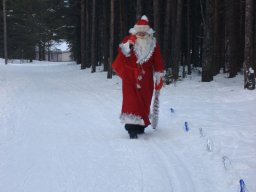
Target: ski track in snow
{"points": [[60, 133]]}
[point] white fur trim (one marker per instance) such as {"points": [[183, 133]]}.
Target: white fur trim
{"points": [[141, 28], [131, 119], [133, 31], [125, 48], [150, 31], [158, 76]]}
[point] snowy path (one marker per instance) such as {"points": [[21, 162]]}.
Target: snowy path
{"points": [[59, 132]]}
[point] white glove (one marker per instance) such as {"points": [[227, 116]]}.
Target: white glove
{"points": [[125, 47]]}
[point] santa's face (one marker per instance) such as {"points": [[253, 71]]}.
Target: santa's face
{"points": [[141, 35], [143, 45]]}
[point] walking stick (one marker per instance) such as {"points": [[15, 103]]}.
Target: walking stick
{"points": [[155, 112]]}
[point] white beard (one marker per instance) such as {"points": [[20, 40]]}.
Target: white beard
{"points": [[144, 48]]}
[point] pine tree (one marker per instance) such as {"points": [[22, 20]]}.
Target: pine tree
{"points": [[249, 75], [83, 65], [111, 40], [207, 61], [177, 40], [167, 30]]}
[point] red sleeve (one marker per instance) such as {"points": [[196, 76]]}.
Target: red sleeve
{"points": [[129, 37], [158, 60], [119, 63]]}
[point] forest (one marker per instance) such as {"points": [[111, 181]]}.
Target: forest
{"points": [[206, 36]]}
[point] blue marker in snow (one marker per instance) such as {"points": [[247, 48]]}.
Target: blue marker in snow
{"points": [[242, 186], [186, 126]]}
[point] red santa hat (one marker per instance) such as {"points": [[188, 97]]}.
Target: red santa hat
{"points": [[141, 26]]}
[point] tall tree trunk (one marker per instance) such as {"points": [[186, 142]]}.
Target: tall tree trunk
{"points": [[49, 50], [156, 19], [241, 32], [122, 19], [173, 28], [177, 41], [98, 35], [105, 35], [167, 35], [138, 9], [249, 76], [196, 36], [207, 61], [83, 66], [216, 41], [87, 36], [43, 51], [5, 32], [40, 51], [188, 55], [111, 40], [232, 38], [222, 33], [201, 31], [93, 53], [254, 32]]}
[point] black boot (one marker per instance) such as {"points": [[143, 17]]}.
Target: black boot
{"points": [[133, 135], [132, 130], [140, 129]]}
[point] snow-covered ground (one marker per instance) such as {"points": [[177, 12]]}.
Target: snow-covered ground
{"points": [[60, 132]]}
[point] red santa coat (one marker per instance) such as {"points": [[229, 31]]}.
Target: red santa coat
{"points": [[137, 82]]}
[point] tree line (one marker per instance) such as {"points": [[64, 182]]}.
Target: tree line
{"points": [[31, 25], [218, 36], [213, 35]]}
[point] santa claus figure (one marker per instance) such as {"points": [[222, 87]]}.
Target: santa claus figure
{"points": [[140, 66]]}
